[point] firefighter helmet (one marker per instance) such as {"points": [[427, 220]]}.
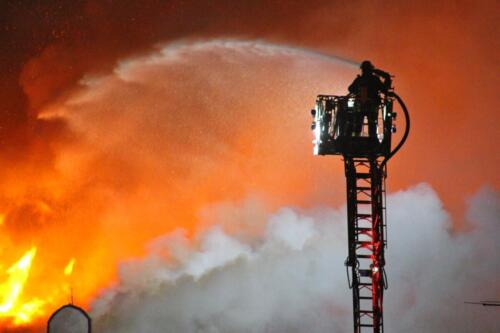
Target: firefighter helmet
{"points": [[366, 66]]}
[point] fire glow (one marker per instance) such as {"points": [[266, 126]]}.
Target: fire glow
{"points": [[74, 208], [18, 308], [11, 291], [69, 267]]}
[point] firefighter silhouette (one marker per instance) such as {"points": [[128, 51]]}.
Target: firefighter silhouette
{"points": [[367, 88]]}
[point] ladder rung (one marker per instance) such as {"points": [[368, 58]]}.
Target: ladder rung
{"points": [[363, 216], [365, 297], [366, 311], [365, 272], [366, 202], [362, 229], [363, 188], [365, 325], [364, 256], [362, 175]]}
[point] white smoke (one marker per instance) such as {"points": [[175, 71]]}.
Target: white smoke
{"points": [[293, 279], [432, 272]]}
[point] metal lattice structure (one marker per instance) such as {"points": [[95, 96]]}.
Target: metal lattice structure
{"points": [[367, 240], [342, 126]]}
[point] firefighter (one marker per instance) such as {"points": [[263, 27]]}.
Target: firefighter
{"points": [[367, 87]]}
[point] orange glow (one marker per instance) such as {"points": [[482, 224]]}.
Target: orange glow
{"points": [[69, 267], [12, 289], [27, 311], [26, 294]]}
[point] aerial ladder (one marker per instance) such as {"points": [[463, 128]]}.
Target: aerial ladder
{"points": [[341, 127]]}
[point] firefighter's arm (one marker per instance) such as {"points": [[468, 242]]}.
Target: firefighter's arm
{"points": [[385, 76], [353, 88]]}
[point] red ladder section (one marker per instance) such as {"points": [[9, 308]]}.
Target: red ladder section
{"points": [[367, 240]]}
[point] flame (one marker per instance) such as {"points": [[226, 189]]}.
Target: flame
{"points": [[11, 290], [28, 310], [69, 267], [19, 306]]}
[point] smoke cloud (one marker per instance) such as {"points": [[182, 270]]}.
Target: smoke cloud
{"points": [[292, 279]]}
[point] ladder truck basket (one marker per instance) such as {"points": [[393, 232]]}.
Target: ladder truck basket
{"points": [[343, 125]]}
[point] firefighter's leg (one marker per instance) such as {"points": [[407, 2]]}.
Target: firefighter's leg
{"points": [[372, 123], [359, 120], [358, 123]]}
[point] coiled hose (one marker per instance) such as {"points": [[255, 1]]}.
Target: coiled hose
{"points": [[406, 133]]}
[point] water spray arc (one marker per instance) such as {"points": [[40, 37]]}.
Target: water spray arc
{"points": [[342, 126]]}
